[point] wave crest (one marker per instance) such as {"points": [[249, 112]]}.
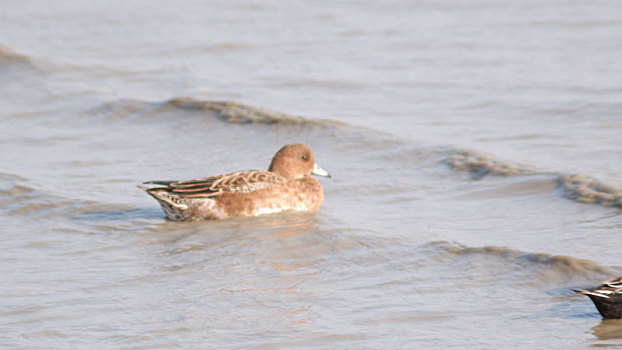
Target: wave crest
{"points": [[233, 112], [585, 189], [546, 266], [479, 164], [9, 58], [578, 187]]}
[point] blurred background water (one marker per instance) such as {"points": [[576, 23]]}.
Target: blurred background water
{"points": [[474, 147]]}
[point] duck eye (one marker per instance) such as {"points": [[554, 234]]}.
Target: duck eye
{"points": [[304, 157]]}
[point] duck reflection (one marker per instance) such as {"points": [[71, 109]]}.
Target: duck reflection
{"points": [[608, 329], [254, 263]]}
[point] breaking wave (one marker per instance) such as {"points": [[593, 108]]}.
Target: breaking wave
{"points": [[588, 190], [579, 187], [9, 60], [233, 112], [545, 267]]}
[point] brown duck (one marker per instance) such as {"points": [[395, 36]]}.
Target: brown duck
{"points": [[287, 185]]}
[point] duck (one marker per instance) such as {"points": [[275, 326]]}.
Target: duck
{"points": [[607, 297], [287, 185]]}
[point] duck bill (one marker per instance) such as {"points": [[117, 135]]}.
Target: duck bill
{"points": [[319, 171]]}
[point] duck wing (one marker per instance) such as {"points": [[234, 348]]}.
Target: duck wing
{"points": [[241, 182]]}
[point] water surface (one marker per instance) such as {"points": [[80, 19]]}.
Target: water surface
{"points": [[474, 148]]}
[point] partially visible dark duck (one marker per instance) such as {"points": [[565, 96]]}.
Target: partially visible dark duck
{"points": [[607, 297]]}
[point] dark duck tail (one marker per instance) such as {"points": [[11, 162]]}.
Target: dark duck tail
{"points": [[607, 297]]}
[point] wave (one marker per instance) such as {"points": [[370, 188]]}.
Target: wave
{"points": [[233, 112], [546, 267], [227, 111], [585, 189], [12, 60], [120, 109], [19, 198], [479, 165], [579, 187]]}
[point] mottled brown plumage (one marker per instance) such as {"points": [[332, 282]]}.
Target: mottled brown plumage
{"points": [[287, 185]]}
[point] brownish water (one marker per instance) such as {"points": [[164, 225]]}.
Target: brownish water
{"points": [[474, 148]]}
